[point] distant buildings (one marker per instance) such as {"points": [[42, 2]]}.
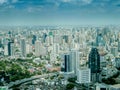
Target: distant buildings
{"points": [[34, 39], [114, 51], [117, 62]]}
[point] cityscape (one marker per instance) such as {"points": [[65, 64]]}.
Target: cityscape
{"points": [[52, 45]]}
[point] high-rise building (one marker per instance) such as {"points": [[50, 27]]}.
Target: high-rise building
{"points": [[74, 56], [37, 48], [65, 37], [119, 46], [44, 37], [23, 47], [10, 48], [117, 62], [6, 49], [34, 39], [99, 39], [114, 51], [67, 64], [94, 64]]}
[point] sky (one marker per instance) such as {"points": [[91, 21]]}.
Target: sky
{"points": [[59, 12]]}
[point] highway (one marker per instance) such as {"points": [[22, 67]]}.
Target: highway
{"points": [[11, 84]]}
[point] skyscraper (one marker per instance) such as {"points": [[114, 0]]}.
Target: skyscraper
{"points": [[118, 45], [94, 64], [74, 56], [10, 48], [99, 39], [23, 47], [34, 39], [67, 64], [37, 48]]}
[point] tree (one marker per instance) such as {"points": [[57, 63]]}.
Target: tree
{"points": [[29, 55], [73, 79], [69, 86], [110, 81]]}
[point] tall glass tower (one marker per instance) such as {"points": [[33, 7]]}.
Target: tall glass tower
{"points": [[94, 64]]}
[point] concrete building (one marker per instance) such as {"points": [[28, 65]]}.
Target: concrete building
{"points": [[37, 48], [114, 51], [75, 59], [84, 75], [23, 47], [115, 87]]}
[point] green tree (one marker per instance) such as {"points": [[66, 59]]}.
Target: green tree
{"points": [[73, 79], [69, 86]]}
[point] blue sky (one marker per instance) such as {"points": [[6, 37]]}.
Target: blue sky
{"points": [[59, 12]]}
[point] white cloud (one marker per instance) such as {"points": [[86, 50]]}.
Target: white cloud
{"points": [[14, 1], [78, 1], [3, 1], [87, 1], [67, 0], [34, 9]]}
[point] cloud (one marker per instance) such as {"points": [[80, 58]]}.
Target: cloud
{"points": [[2, 1], [87, 1], [67, 0], [34, 9], [14, 1], [77, 1]]}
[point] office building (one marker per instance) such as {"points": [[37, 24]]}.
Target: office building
{"points": [[10, 48], [114, 51], [23, 47], [94, 64], [84, 75], [74, 56], [34, 39], [118, 45], [67, 64], [37, 48]]}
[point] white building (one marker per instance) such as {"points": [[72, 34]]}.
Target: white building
{"points": [[28, 48], [102, 87], [115, 87], [37, 48], [23, 47], [75, 59], [83, 75], [12, 49], [5, 49]]}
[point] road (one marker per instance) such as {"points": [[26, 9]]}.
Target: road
{"points": [[29, 79]]}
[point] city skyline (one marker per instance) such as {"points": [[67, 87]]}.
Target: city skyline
{"points": [[59, 12]]}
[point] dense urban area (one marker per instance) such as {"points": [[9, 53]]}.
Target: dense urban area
{"points": [[59, 58]]}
